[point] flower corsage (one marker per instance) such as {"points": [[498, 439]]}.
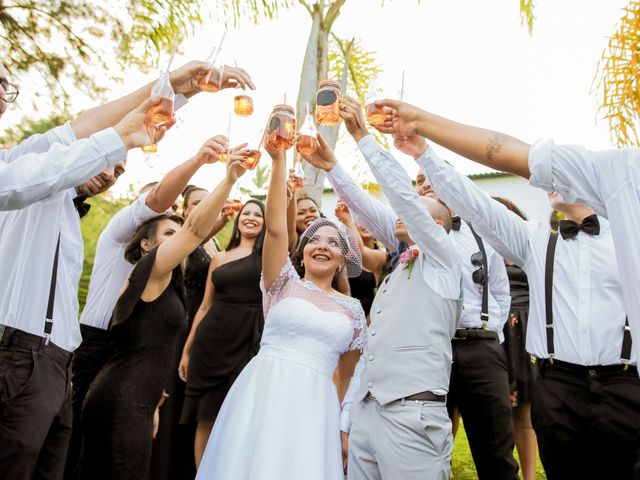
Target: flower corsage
{"points": [[407, 258]]}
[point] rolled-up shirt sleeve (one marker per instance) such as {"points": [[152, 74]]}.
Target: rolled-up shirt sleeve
{"points": [[35, 176], [125, 222], [578, 174]]}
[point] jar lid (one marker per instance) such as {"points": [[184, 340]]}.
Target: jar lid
{"points": [[329, 83], [285, 107]]}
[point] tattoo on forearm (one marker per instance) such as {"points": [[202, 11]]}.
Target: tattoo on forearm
{"points": [[495, 145]]}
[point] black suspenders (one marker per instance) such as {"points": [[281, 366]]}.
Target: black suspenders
{"points": [[625, 354], [48, 323], [484, 313]]}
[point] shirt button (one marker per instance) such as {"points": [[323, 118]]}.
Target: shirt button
{"points": [[371, 357], [370, 384], [373, 332], [379, 310], [384, 290]]}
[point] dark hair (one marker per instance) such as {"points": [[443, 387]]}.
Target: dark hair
{"points": [[133, 252], [235, 234], [298, 254], [148, 186], [186, 193], [306, 197], [511, 206]]}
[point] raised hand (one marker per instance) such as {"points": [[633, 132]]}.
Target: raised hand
{"points": [[186, 79], [323, 158], [414, 145], [402, 118], [342, 212], [212, 148], [351, 113], [234, 165], [135, 132], [234, 77]]}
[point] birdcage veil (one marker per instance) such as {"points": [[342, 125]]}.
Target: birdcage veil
{"points": [[348, 244]]}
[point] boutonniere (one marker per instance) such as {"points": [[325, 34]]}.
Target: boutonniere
{"points": [[407, 258]]}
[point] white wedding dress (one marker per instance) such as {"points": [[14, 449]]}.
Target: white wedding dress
{"points": [[280, 420]]}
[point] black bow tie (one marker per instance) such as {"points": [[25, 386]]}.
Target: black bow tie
{"points": [[569, 229], [81, 206], [455, 223]]}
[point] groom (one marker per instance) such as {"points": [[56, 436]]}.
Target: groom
{"points": [[399, 426]]}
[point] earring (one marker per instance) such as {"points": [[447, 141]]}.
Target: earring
{"points": [[302, 262]]}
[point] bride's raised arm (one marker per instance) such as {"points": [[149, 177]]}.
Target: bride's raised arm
{"points": [[276, 240]]}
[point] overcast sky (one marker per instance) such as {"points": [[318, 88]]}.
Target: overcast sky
{"points": [[468, 60]]}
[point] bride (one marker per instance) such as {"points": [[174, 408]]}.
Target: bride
{"points": [[280, 419]]}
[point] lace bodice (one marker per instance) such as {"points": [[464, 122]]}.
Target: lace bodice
{"points": [[300, 316]]}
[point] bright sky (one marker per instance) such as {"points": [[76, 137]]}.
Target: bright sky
{"points": [[468, 60]]}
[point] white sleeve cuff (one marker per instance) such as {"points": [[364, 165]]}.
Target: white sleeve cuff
{"points": [[540, 165], [111, 145], [345, 418]]}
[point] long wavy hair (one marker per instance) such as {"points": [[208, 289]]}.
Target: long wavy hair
{"points": [[235, 234], [133, 252]]}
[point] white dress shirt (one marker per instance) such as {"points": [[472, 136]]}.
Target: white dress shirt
{"points": [[440, 264], [51, 162], [439, 259], [28, 240], [110, 269], [499, 295], [588, 311]]}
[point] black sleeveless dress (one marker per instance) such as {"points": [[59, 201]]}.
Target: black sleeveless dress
{"points": [[118, 409], [363, 287], [227, 338], [195, 280], [522, 371], [173, 456]]}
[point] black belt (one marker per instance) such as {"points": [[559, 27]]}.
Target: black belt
{"points": [[475, 334], [591, 370], [426, 397], [10, 336]]}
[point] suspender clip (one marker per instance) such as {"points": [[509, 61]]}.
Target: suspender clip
{"points": [[625, 362], [551, 356], [485, 320], [48, 327]]}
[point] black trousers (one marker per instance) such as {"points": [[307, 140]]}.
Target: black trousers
{"points": [[479, 387], [587, 421], [35, 407], [92, 354]]}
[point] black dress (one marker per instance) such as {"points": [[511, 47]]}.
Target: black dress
{"points": [[118, 409], [173, 456], [363, 287], [522, 370], [195, 280], [226, 339]]}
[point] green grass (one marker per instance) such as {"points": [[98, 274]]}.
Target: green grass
{"points": [[463, 466]]}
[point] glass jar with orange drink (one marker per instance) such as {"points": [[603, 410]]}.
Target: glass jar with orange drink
{"points": [[281, 129], [328, 103]]}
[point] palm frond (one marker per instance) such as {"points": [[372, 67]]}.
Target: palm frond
{"points": [[527, 14], [617, 78]]}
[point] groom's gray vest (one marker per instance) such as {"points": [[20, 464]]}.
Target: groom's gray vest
{"points": [[409, 340]]}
